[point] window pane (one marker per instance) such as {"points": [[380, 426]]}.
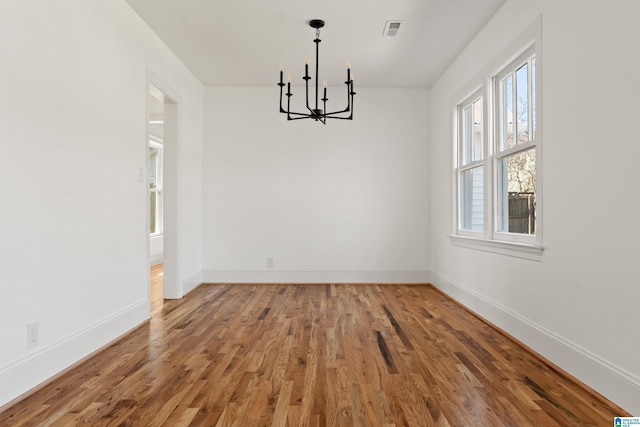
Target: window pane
{"points": [[477, 130], [517, 193], [472, 199], [467, 134], [153, 167], [533, 98], [471, 131], [507, 113], [522, 103]]}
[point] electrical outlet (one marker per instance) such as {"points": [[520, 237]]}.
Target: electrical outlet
{"points": [[270, 263], [33, 334]]}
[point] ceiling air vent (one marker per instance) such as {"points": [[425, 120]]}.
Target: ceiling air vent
{"points": [[391, 28]]}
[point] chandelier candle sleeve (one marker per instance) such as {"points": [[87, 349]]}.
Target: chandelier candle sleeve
{"points": [[317, 114]]}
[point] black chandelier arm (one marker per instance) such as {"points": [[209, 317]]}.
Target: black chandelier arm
{"points": [[306, 83], [288, 99], [317, 42], [282, 110], [305, 115], [349, 107], [301, 115], [335, 113], [330, 115], [299, 118]]}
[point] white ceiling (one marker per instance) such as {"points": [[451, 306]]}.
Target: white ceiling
{"points": [[242, 42]]}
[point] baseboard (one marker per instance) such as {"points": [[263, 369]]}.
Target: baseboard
{"points": [[612, 382], [191, 282], [278, 275], [23, 375]]}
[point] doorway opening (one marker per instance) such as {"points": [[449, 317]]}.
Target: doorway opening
{"points": [[155, 163], [162, 145]]}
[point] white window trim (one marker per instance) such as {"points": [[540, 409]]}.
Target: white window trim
{"points": [[478, 93], [511, 244], [518, 250], [155, 142], [498, 155]]}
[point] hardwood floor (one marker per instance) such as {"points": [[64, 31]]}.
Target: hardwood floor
{"points": [[313, 355], [157, 283]]}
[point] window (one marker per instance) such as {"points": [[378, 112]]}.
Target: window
{"points": [[471, 213], [155, 188], [515, 149], [497, 148]]}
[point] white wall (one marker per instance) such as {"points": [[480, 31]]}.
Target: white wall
{"points": [[155, 250], [349, 201], [343, 202], [578, 306], [73, 223]]}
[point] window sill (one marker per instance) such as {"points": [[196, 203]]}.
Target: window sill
{"points": [[518, 250]]}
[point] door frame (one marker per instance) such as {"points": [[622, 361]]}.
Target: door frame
{"points": [[173, 287]]}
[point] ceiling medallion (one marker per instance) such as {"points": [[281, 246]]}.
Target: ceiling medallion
{"points": [[317, 114]]}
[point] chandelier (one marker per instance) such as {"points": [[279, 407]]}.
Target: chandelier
{"points": [[317, 114]]}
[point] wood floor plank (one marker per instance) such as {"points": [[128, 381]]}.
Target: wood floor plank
{"points": [[313, 355]]}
